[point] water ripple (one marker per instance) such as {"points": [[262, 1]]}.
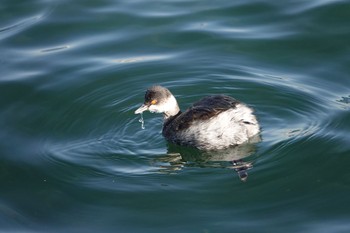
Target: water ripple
{"points": [[73, 73], [20, 25]]}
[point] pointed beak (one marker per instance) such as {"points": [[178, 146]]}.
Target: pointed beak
{"points": [[141, 109]]}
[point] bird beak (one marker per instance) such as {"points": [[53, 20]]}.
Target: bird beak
{"points": [[141, 109]]}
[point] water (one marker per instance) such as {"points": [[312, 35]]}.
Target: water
{"points": [[73, 157], [142, 121]]}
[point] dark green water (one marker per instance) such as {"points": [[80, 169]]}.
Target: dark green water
{"points": [[73, 156]]}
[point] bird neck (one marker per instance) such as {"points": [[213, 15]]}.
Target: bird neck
{"points": [[173, 110], [169, 120]]}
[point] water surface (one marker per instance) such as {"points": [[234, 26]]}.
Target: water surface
{"points": [[74, 158]]}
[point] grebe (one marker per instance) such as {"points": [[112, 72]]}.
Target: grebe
{"points": [[213, 123]]}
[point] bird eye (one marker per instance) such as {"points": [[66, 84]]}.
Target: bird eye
{"points": [[153, 101]]}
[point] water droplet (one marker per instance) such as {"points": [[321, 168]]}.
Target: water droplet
{"points": [[142, 121]]}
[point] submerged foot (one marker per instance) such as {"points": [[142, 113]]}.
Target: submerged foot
{"points": [[241, 168]]}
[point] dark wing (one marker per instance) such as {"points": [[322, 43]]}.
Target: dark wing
{"points": [[216, 103], [204, 109]]}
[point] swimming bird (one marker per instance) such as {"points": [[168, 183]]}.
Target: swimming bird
{"points": [[215, 122]]}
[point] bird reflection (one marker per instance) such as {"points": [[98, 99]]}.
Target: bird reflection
{"points": [[233, 158]]}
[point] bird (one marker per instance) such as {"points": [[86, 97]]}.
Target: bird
{"points": [[215, 122]]}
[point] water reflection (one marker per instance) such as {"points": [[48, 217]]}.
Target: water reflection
{"points": [[235, 158]]}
